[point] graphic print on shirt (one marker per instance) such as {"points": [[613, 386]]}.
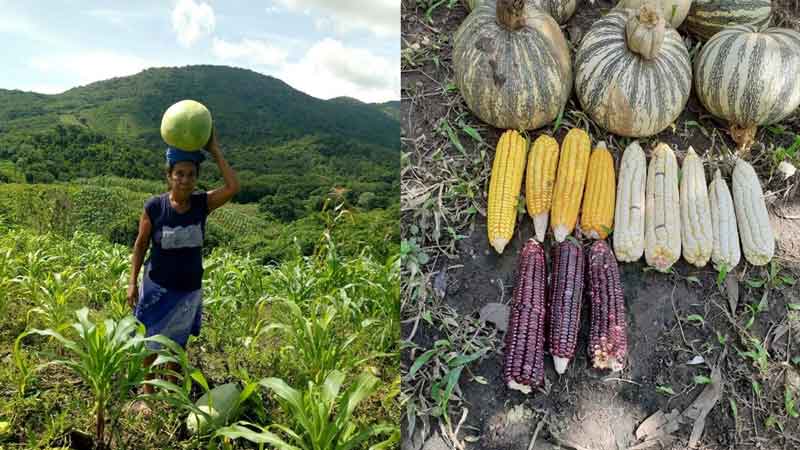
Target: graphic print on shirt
{"points": [[181, 237]]}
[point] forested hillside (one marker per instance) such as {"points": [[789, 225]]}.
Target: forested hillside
{"points": [[291, 150]]}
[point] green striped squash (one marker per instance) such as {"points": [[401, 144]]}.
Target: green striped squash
{"points": [[749, 78], [561, 10], [707, 17], [673, 11], [626, 83], [512, 65]]}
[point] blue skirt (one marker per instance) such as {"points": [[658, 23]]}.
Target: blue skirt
{"points": [[171, 313]]}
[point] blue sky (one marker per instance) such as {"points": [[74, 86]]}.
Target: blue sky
{"points": [[323, 48]]}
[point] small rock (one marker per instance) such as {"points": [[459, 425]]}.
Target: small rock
{"points": [[696, 360], [440, 284], [496, 313], [435, 443], [787, 169]]}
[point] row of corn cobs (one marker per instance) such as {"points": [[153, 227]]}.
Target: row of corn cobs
{"points": [[655, 213], [558, 317]]}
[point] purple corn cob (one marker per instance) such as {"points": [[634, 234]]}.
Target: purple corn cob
{"points": [[566, 296], [523, 366], [608, 341]]}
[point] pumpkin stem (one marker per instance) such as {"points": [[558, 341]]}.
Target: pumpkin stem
{"points": [[744, 138], [645, 32], [648, 16], [511, 14]]}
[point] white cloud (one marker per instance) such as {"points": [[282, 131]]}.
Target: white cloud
{"points": [[329, 69], [272, 10], [250, 51], [381, 17], [88, 67], [192, 21]]}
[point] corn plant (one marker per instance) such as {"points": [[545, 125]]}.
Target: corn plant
{"points": [[233, 282], [322, 417], [178, 394], [295, 280], [313, 340], [108, 356], [54, 297]]}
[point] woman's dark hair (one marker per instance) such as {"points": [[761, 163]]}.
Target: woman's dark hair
{"points": [[168, 168]]}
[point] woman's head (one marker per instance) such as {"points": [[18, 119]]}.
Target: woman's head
{"points": [[182, 176]]}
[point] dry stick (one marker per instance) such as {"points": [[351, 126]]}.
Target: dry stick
{"points": [[623, 380], [536, 433], [675, 311]]}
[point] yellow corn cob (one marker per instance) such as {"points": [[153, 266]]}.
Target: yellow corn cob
{"points": [[539, 182], [597, 216], [662, 219], [504, 188], [572, 164]]}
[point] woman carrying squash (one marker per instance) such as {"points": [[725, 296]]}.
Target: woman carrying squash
{"points": [[169, 300]]}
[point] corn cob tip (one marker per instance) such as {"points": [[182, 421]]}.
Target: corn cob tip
{"points": [[525, 389], [540, 225], [718, 174], [561, 364], [660, 261], [608, 355], [499, 244], [560, 232], [691, 151]]}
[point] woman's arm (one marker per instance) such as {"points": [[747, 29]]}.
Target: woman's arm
{"points": [[139, 249], [220, 196]]}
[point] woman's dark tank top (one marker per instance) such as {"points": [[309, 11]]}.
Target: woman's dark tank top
{"points": [[176, 253]]}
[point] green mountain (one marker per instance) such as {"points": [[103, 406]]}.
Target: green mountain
{"points": [[391, 108], [291, 150], [248, 107]]}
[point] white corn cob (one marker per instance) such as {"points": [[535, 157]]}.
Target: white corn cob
{"points": [[726, 250], [662, 210], [758, 241], [696, 232], [629, 212]]}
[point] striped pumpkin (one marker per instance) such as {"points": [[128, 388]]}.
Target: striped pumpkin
{"points": [[512, 65], [561, 10], [707, 17], [622, 89], [749, 78], [673, 11]]}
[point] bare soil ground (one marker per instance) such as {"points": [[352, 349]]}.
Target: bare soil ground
{"points": [[681, 324]]}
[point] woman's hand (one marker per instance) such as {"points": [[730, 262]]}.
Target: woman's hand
{"points": [[133, 295], [222, 195], [212, 146]]}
